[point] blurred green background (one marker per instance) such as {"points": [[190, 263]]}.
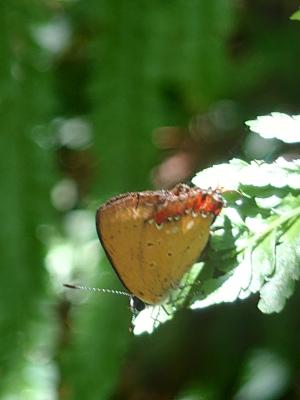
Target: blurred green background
{"points": [[108, 96]]}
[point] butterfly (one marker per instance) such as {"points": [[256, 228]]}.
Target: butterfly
{"points": [[152, 238]]}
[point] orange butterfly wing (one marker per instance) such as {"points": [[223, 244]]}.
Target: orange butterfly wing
{"points": [[153, 238]]}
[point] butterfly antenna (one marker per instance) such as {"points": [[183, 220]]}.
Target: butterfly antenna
{"points": [[92, 289]]}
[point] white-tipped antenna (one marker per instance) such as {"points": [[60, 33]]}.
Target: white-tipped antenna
{"points": [[92, 289], [136, 305]]}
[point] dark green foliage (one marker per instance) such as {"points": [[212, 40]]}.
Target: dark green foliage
{"points": [[118, 70], [26, 176]]}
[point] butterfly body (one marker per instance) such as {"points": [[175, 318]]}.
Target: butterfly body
{"points": [[152, 238]]}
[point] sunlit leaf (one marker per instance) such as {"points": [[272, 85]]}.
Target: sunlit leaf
{"points": [[266, 239], [295, 16], [237, 175], [277, 126], [280, 285]]}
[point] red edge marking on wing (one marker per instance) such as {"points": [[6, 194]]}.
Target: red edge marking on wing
{"points": [[183, 199]]}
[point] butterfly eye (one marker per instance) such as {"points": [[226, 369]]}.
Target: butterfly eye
{"points": [[136, 305]]}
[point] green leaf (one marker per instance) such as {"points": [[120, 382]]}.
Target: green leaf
{"points": [[280, 286], [263, 261], [295, 16], [256, 246], [237, 175], [277, 126]]}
